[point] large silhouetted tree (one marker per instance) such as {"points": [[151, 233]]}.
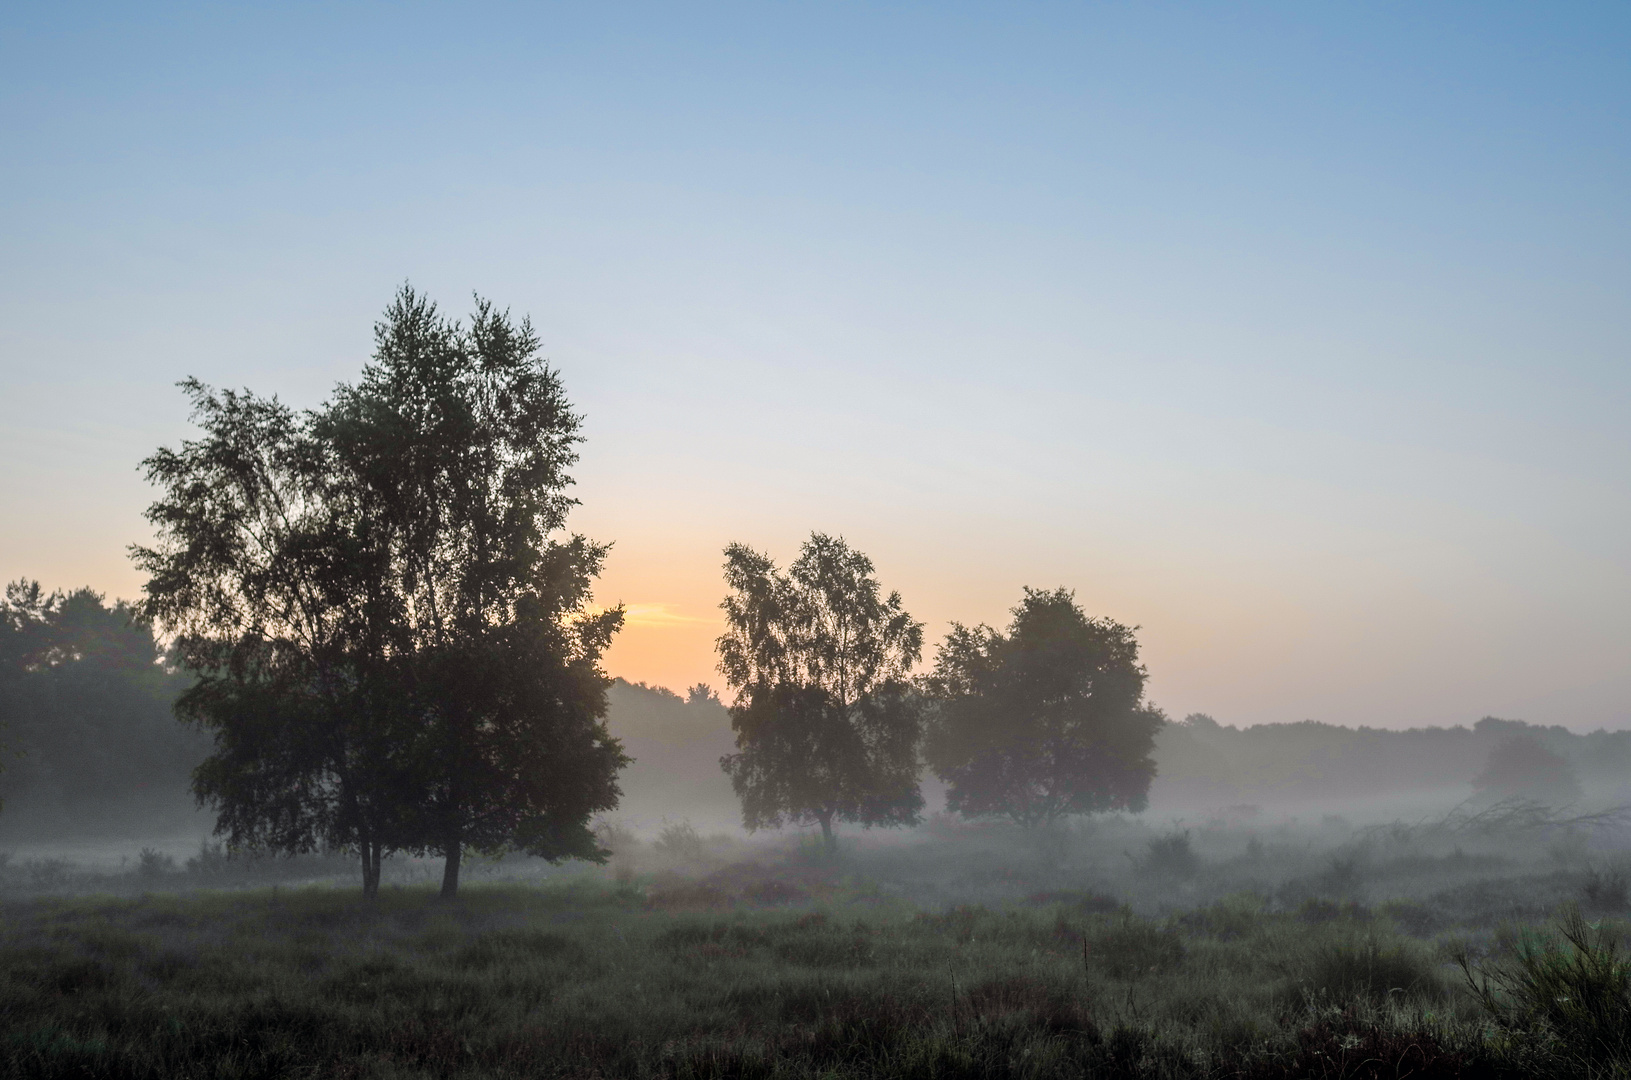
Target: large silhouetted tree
{"points": [[258, 570], [395, 652], [827, 728], [1045, 720]]}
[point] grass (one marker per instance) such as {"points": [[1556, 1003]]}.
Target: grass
{"points": [[1570, 986], [591, 979], [1117, 948]]}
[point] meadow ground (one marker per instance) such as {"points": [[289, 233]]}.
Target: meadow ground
{"points": [[880, 962]]}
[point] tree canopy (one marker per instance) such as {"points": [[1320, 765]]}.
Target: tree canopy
{"points": [[1045, 720], [395, 650], [827, 726], [1521, 768], [86, 731]]}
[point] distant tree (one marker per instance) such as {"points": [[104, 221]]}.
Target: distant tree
{"points": [[1521, 768], [394, 654], [827, 727], [85, 708], [1045, 720]]}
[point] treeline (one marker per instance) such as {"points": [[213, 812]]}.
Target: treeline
{"points": [[1040, 720], [390, 642], [88, 735], [1206, 763], [382, 637]]}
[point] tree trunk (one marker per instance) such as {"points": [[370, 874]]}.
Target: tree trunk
{"points": [[450, 870], [370, 870], [827, 839]]}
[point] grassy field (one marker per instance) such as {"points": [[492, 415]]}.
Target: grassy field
{"points": [[964, 955], [598, 980]]}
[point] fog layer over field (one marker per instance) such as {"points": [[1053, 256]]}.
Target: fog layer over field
{"points": [[1307, 788]]}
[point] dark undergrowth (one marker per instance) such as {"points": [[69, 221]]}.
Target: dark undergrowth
{"points": [[593, 981]]}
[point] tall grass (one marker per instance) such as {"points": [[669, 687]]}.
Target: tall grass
{"points": [[593, 980], [1570, 986]]}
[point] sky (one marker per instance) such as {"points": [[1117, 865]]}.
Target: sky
{"points": [[1293, 334]]}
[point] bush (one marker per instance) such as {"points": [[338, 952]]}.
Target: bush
{"points": [[1172, 855], [1573, 986], [1132, 947], [679, 841], [155, 864], [1319, 910], [688, 896], [1369, 969], [211, 859], [620, 841], [1087, 903], [48, 874], [773, 893], [1343, 876], [1608, 889], [1229, 919]]}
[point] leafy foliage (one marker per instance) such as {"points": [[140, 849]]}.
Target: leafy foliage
{"points": [[85, 706], [393, 652], [1574, 985], [827, 726], [1043, 721], [1172, 854]]}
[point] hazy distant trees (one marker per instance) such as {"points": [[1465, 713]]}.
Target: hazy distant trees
{"points": [[1521, 768], [1045, 720], [85, 721], [393, 652], [827, 726]]}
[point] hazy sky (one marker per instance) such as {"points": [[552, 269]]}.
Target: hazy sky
{"points": [[1295, 334]]}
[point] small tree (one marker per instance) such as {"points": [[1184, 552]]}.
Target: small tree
{"points": [[1522, 768], [827, 727], [1045, 721]]}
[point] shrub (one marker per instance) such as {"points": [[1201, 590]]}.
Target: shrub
{"points": [[155, 864], [679, 841], [1088, 903], [1319, 910], [957, 923], [688, 896], [621, 842], [1343, 876], [773, 893], [48, 874], [1574, 986], [1132, 947], [211, 859], [1609, 889], [1230, 918], [1415, 919], [1369, 969], [1172, 855]]}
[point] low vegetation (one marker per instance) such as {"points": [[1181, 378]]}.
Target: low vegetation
{"points": [[959, 954]]}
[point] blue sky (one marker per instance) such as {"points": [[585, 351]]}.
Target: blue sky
{"points": [[1295, 334]]}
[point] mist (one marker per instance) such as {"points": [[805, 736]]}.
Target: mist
{"points": [[815, 542], [1296, 872]]}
